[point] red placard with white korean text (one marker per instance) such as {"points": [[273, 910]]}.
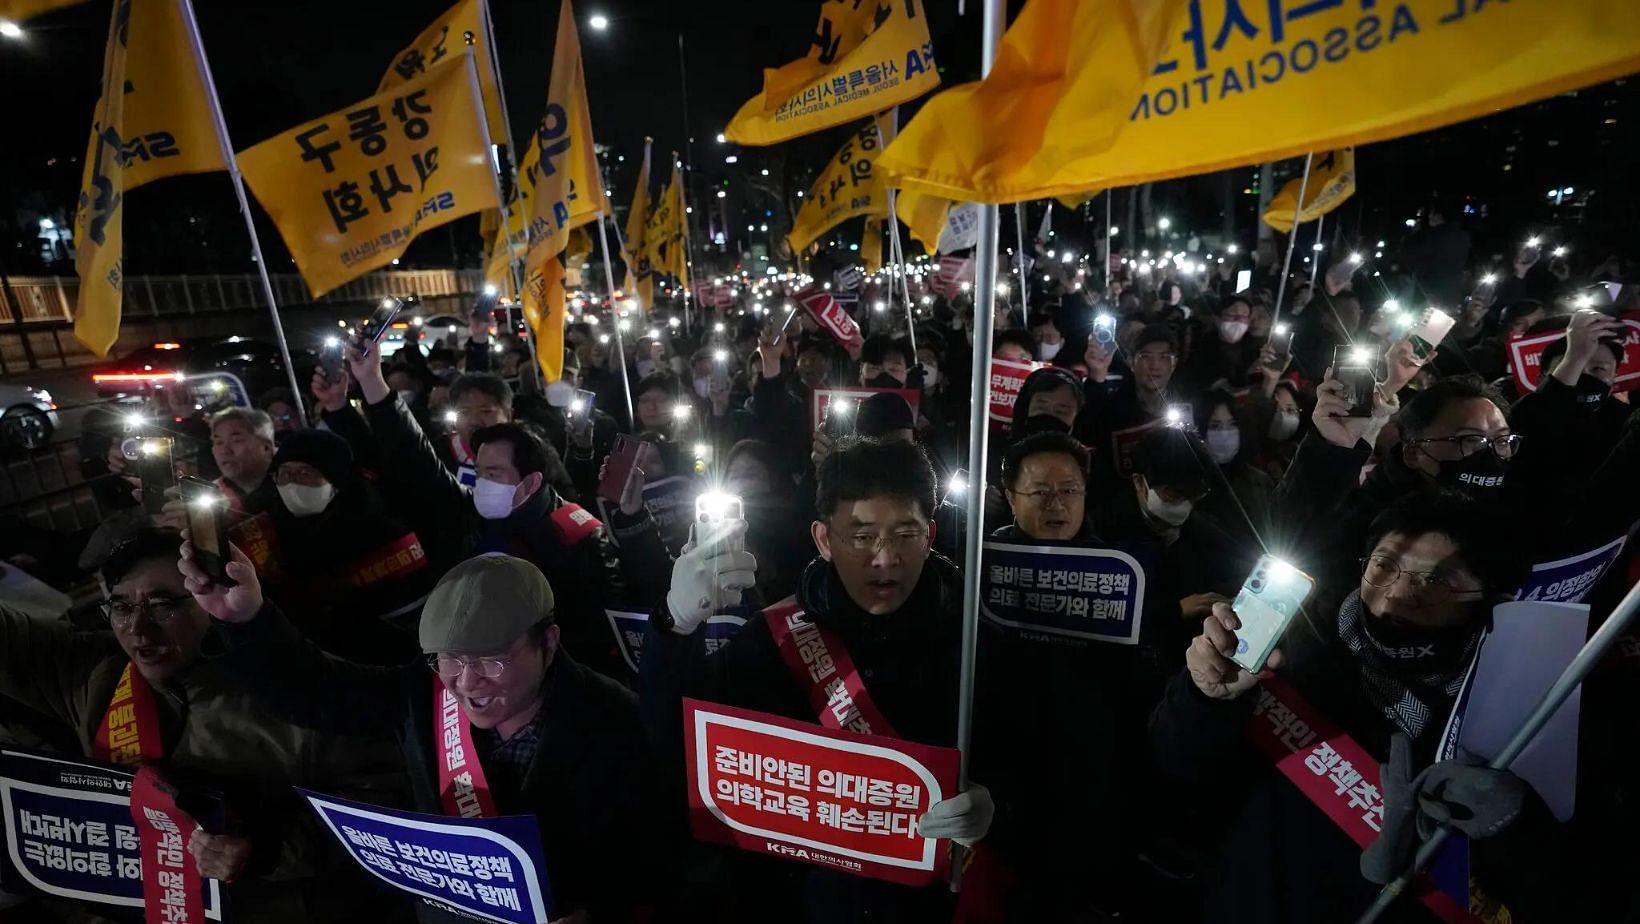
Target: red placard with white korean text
{"points": [[1526, 357], [1007, 378], [836, 799]]}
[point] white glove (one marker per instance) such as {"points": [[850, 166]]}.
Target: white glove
{"points": [[964, 818], [710, 575]]}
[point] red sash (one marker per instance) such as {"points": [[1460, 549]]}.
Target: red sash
{"points": [[821, 664], [172, 890], [462, 789], [395, 560], [574, 523], [257, 538], [129, 732], [1333, 772]]}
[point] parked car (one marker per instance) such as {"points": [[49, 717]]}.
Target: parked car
{"points": [[28, 416], [256, 363]]}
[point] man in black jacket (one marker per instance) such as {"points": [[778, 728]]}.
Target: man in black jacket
{"points": [[553, 738], [892, 606]]}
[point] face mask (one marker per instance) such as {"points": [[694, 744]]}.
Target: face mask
{"points": [[1480, 476], [408, 396], [1222, 445], [1420, 649], [646, 368], [1233, 331], [1173, 514], [1047, 351], [492, 499], [304, 500], [703, 386], [1283, 425], [560, 393], [931, 375]]}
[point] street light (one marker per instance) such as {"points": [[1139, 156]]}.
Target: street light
{"points": [[599, 22], [731, 159], [1164, 223]]}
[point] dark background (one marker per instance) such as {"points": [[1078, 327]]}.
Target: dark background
{"points": [[277, 64]]}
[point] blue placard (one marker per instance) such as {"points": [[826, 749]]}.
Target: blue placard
{"points": [[484, 868], [1063, 592], [69, 833], [629, 629], [1569, 580]]}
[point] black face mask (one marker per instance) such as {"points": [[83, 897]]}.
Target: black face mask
{"points": [[1480, 476], [1419, 649]]}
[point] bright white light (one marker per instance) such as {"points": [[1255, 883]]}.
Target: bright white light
{"points": [[1281, 330], [1360, 355], [1584, 301], [1559, 251], [1381, 244], [1144, 253], [1379, 254], [732, 159], [1174, 416], [1318, 247], [1392, 305], [333, 342], [958, 485], [603, 338], [1533, 241], [800, 194], [1114, 231], [342, 325], [10, 29], [1050, 254], [674, 322], [599, 21], [763, 227], [1230, 249], [721, 356], [592, 319], [1412, 222], [841, 407], [395, 261], [720, 138], [450, 416], [928, 299], [701, 449], [498, 348], [764, 171], [135, 420], [630, 304], [771, 271], [1567, 191], [723, 194], [1355, 258], [1002, 289], [880, 306], [1280, 570], [1489, 278], [717, 328], [1067, 257], [625, 325], [967, 287], [208, 501], [1164, 223], [680, 412]]}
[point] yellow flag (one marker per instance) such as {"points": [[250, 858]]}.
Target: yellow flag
{"points": [[871, 246], [924, 215], [666, 237], [847, 188], [19, 10], [567, 192], [159, 124], [351, 190], [442, 41], [637, 221], [1239, 87], [1332, 180], [865, 58]]}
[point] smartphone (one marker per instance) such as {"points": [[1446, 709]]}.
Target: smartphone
{"points": [[1353, 367], [1428, 332], [839, 420], [622, 458], [580, 411], [330, 359], [1104, 332], [380, 320], [1281, 344], [714, 510], [205, 528], [1244, 280], [155, 469], [1266, 605]]}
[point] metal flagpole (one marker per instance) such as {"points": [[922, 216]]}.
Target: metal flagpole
{"points": [[1315, 255], [1592, 653], [187, 8], [1292, 240], [683, 178], [895, 252], [517, 263], [1024, 281], [609, 276], [985, 293], [1104, 275]]}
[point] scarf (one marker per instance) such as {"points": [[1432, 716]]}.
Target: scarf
{"points": [[1407, 691]]}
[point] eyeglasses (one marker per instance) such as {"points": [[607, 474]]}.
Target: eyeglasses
{"points": [[1045, 495], [122, 614], [1469, 444], [1155, 357], [904, 541], [451, 667], [1383, 571]]}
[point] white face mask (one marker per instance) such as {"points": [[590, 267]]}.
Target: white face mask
{"points": [[1173, 514], [646, 368], [1047, 351], [1283, 425], [303, 500], [492, 499], [1222, 445], [560, 393], [931, 375], [703, 386], [1233, 331]]}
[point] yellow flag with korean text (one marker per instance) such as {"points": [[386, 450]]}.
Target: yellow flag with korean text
{"points": [[20, 10], [1237, 83], [158, 125], [871, 246], [847, 188], [350, 190], [445, 39], [925, 215], [1332, 180], [666, 236], [637, 222], [866, 57]]}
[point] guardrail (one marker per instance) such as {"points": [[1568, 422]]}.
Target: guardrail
{"points": [[49, 300]]}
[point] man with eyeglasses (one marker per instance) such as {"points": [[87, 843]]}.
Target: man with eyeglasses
{"points": [[498, 720], [1385, 668], [875, 592], [1136, 401], [144, 695], [1045, 479]]}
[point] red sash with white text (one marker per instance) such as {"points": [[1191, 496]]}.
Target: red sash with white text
{"points": [[574, 523], [172, 890], [462, 789], [399, 558], [821, 665], [129, 732], [1333, 772]]}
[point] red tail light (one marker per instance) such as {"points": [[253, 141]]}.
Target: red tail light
{"points": [[129, 378]]}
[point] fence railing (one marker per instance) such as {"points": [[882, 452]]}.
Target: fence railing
{"points": [[51, 299]]}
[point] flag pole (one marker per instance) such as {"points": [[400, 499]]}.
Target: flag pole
{"points": [[1592, 653], [1104, 275], [895, 252], [1315, 255], [232, 164], [683, 174], [609, 277], [1292, 241], [683, 196], [511, 166], [985, 293], [1024, 283]]}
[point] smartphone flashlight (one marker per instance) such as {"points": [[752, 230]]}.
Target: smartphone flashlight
{"points": [[207, 501], [717, 506], [1584, 301], [577, 406], [958, 484], [1281, 570], [450, 417], [134, 421], [842, 407], [1533, 241], [680, 412], [674, 322], [1559, 251], [1361, 356], [1489, 279], [701, 450], [333, 342], [720, 356], [1355, 258], [1281, 330], [717, 328]]}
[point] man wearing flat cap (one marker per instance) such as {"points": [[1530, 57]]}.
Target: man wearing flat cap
{"points": [[497, 719]]}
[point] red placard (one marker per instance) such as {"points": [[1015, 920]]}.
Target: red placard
{"points": [[820, 400], [832, 318], [835, 799], [1007, 377], [951, 274], [1526, 355]]}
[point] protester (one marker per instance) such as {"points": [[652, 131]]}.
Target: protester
{"points": [[1045, 477], [1223, 356], [1125, 405], [242, 445], [280, 406]]}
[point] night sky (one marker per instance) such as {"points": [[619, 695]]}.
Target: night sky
{"points": [[280, 63]]}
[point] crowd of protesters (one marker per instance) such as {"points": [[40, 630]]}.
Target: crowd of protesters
{"points": [[448, 512]]}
